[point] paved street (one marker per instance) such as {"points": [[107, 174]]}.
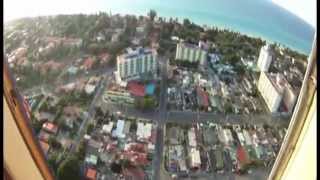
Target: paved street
{"points": [[157, 160], [91, 111]]}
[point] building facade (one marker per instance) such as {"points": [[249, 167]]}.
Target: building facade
{"points": [[118, 97], [265, 58], [134, 63], [271, 88], [290, 97], [191, 53]]}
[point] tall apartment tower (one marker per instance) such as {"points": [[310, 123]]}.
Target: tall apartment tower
{"points": [[191, 53], [135, 63], [265, 58]]}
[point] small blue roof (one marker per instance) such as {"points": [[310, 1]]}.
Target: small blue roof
{"points": [[149, 89]]}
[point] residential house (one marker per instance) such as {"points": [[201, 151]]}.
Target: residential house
{"points": [[50, 127], [91, 174]]}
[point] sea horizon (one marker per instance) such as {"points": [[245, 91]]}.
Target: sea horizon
{"points": [[254, 18]]}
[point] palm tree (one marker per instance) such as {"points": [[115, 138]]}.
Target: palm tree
{"points": [[152, 14]]}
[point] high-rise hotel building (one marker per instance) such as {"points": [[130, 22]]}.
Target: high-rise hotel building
{"points": [[265, 58], [136, 62], [191, 53], [276, 91]]}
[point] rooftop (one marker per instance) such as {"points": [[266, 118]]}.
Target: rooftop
{"points": [[131, 53], [91, 173], [50, 127], [278, 81], [136, 88]]}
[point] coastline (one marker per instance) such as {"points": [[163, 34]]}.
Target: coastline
{"points": [[219, 25], [224, 27]]}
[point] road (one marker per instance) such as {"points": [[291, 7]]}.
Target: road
{"points": [[160, 121], [254, 119], [91, 111]]}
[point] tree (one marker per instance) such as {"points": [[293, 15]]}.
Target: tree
{"points": [[69, 169], [37, 125], [152, 14], [186, 22], [90, 128], [52, 161], [81, 151], [54, 143], [133, 127]]}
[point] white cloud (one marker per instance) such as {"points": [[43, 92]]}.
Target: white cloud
{"points": [[305, 9]]}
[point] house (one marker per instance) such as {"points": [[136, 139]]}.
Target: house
{"points": [[89, 89], [247, 137], [50, 127], [94, 144], [228, 136], [116, 35], [44, 116], [50, 66], [104, 58], [67, 88], [71, 115], [72, 111], [118, 132], [72, 70], [242, 157], [91, 174], [144, 131], [203, 98], [195, 161], [133, 173], [126, 128], [140, 29], [66, 143], [93, 80], [241, 138], [192, 137], [107, 127], [91, 159], [87, 64]]}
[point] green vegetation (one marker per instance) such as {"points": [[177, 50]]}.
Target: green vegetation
{"points": [[54, 143], [37, 125], [90, 128], [184, 63], [81, 151], [152, 14], [53, 161], [145, 103], [69, 169]]}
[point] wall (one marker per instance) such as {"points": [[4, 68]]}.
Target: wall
{"points": [[16, 155], [302, 164]]}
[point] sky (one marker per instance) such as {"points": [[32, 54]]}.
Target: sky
{"points": [[305, 9]]}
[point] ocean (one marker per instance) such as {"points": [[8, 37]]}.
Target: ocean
{"points": [[256, 18]]}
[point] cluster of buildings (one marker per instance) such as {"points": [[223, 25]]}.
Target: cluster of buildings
{"points": [[227, 147], [119, 140], [135, 77], [212, 93], [277, 92], [87, 85]]}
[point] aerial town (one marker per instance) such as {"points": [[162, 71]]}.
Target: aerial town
{"points": [[126, 97]]}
